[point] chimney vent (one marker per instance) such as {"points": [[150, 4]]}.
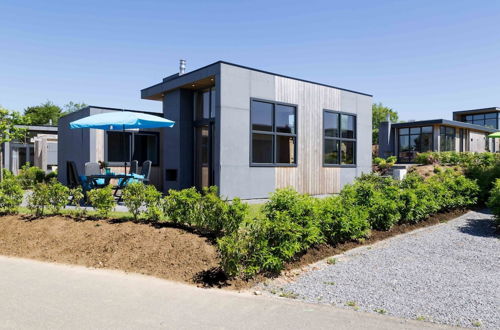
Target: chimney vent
{"points": [[182, 67]]}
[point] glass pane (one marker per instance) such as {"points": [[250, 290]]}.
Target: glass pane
{"points": [[347, 152], [404, 147], [118, 147], [202, 157], [450, 130], [442, 130], [478, 117], [414, 142], [426, 143], [347, 126], [404, 131], [490, 115], [202, 104], [262, 116], [285, 119], [427, 129], [146, 148], [415, 130], [478, 122], [262, 148], [490, 123], [212, 102], [331, 152], [331, 124], [468, 117], [285, 149]]}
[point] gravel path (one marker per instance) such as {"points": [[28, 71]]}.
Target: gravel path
{"points": [[449, 273]]}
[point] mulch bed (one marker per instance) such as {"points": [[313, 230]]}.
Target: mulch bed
{"points": [[162, 251]]}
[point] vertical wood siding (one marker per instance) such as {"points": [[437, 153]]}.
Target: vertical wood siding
{"points": [[309, 176]]}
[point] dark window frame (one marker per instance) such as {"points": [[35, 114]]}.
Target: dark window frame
{"points": [[340, 139], [131, 147], [274, 134], [409, 134], [454, 137]]}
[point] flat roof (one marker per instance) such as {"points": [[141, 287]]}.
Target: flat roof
{"points": [[175, 76], [114, 109], [446, 123], [464, 112], [48, 128]]}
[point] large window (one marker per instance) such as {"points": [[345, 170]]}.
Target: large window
{"points": [[142, 146], [484, 119], [274, 133], [339, 133], [413, 140], [204, 104], [447, 138]]}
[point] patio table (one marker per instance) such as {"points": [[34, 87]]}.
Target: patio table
{"points": [[107, 178]]}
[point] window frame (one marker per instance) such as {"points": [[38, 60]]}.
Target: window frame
{"points": [[274, 133], [409, 134], [340, 139], [454, 137], [131, 146]]}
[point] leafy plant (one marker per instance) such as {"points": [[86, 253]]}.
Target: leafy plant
{"points": [[58, 196], [182, 206], [494, 202], [102, 200], [134, 196], [29, 176], [76, 199], [11, 195], [39, 199], [153, 203]]}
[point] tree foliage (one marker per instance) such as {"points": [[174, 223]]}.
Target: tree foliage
{"points": [[72, 107], [379, 114], [43, 114]]}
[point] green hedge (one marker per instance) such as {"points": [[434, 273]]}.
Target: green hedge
{"points": [[293, 222], [494, 202]]}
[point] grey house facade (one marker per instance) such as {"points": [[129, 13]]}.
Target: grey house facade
{"points": [[468, 132], [250, 132]]}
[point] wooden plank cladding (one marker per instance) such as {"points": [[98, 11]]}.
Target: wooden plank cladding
{"points": [[309, 176]]}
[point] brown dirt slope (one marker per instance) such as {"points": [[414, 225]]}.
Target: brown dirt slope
{"points": [[168, 253]]}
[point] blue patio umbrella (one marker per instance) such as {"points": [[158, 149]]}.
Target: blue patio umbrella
{"points": [[121, 121]]}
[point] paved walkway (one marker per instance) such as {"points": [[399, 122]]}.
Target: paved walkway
{"points": [[51, 296]]}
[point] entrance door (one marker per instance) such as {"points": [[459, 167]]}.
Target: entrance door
{"points": [[203, 155]]}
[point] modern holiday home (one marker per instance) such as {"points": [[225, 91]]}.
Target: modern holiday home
{"points": [[244, 130]]}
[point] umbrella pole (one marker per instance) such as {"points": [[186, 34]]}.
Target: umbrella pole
{"points": [[124, 150]]}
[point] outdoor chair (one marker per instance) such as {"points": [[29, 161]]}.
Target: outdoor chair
{"points": [[146, 171], [133, 167], [93, 168], [72, 175]]}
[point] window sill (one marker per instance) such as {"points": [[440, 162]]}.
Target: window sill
{"points": [[272, 165], [341, 165]]}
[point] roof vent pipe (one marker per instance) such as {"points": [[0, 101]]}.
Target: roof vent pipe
{"points": [[182, 67]]}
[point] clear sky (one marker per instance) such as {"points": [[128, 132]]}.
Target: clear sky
{"points": [[422, 58]]}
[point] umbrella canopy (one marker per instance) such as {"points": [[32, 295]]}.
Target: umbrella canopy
{"points": [[121, 120], [494, 135]]}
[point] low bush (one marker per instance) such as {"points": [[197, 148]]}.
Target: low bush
{"points": [[382, 165], [39, 199], [102, 200], [29, 176], [182, 207], [494, 202], [58, 196], [76, 199], [465, 159], [134, 196], [11, 195], [153, 204]]}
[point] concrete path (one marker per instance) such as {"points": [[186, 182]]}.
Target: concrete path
{"points": [[52, 296]]}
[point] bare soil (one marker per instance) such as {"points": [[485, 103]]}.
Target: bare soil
{"points": [[162, 251], [169, 253], [427, 171]]}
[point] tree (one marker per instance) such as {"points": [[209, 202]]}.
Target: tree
{"points": [[43, 114], [9, 131], [72, 107], [379, 114]]}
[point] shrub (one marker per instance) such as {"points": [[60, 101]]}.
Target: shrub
{"points": [[342, 221], [7, 174], [58, 196], [494, 202], [182, 207], [102, 200], [153, 203], [220, 216], [134, 196], [11, 195], [382, 165], [29, 176], [76, 198], [39, 199]]}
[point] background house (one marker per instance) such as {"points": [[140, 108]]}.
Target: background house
{"points": [[39, 148], [468, 132]]}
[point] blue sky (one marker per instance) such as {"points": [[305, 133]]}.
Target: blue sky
{"points": [[422, 58]]}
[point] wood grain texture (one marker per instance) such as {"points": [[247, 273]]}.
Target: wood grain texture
{"points": [[309, 176]]}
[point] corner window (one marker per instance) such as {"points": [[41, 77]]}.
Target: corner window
{"points": [[274, 134], [413, 140], [204, 104], [339, 134], [142, 146]]}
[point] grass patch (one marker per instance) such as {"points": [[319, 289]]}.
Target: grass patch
{"points": [[380, 310], [331, 261]]}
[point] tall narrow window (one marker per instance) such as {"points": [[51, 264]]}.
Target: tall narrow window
{"points": [[447, 138], [274, 133], [339, 133]]}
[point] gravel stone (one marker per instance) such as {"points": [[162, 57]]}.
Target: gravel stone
{"points": [[449, 273]]}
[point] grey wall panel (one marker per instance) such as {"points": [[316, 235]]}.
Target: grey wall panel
{"points": [[347, 175], [364, 131], [237, 178]]}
